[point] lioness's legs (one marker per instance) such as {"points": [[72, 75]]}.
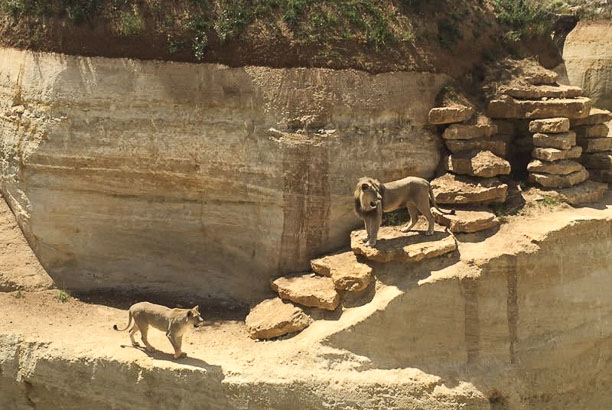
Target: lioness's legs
{"points": [[131, 332], [372, 226], [426, 211], [144, 330], [414, 217], [176, 342]]}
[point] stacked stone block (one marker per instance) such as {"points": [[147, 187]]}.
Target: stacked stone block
{"points": [[594, 136]]}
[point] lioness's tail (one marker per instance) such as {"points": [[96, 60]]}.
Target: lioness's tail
{"points": [[128, 325], [432, 199]]}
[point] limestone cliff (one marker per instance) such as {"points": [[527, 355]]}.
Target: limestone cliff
{"points": [[199, 179]]}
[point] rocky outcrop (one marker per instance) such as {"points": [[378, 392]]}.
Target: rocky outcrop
{"points": [[309, 290], [345, 270], [588, 60], [483, 164], [449, 115], [467, 220], [274, 317], [460, 190], [197, 178]]}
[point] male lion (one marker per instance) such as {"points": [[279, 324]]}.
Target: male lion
{"points": [[373, 198], [172, 321]]}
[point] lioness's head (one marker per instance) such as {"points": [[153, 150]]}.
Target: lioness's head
{"points": [[368, 193], [193, 316]]}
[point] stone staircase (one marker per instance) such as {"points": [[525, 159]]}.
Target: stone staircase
{"points": [[595, 137], [335, 277]]}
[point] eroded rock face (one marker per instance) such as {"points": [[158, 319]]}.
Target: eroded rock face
{"points": [[198, 178], [308, 290], [550, 125], [275, 317]]}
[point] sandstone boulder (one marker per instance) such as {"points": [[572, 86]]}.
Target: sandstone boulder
{"points": [[541, 91], [562, 167], [540, 76], [460, 189], [596, 144], [508, 107], [482, 127], [554, 154], [396, 246], [596, 116], [550, 125], [345, 270], [308, 290], [599, 160], [449, 115], [601, 175], [274, 317], [564, 140], [559, 181], [483, 164], [589, 191], [592, 131], [467, 220], [497, 145]]}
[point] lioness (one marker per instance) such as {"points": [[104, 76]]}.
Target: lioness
{"points": [[172, 321], [373, 198]]}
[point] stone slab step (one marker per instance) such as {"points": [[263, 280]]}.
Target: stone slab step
{"points": [[592, 131], [541, 91], [461, 189], [564, 140], [396, 246], [601, 175], [345, 270], [550, 125], [554, 154], [467, 220], [483, 164], [309, 290], [597, 160], [275, 317], [590, 145], [449, 115], [596, 116], [496, 144], [480, 127], [538, 75], [587, 192], [559, 181], [561, 167], [509, 107]]}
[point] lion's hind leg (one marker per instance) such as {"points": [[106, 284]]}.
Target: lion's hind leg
{"points": [[132, 332], [426, 211], [414, 217]]}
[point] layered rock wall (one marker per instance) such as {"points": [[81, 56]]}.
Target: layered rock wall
{"points": [[201, 179]]}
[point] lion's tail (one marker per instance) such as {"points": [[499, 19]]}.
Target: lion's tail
{"points": [[432, 199], [128, 325]]}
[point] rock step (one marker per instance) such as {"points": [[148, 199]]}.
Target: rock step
{"points": [[275, 317], [478, 127], [592, 131], [559, 181], [588, 191], [346, 272], [601, 175], [508, 107], [596, 116], [550, 125], [590, 145], [597, 160], [538, 75], [467, 220], [498, 145], [541, 91], [461, 189], [561, 167], [565, 140], [449, 115], [483, 164], [308, 289], [396, 246], [554, 154]]}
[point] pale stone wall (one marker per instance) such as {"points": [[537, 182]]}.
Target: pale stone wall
{"points": [[166, 176]]}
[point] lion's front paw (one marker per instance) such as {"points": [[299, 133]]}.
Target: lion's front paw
{"points": [[404, 229], [179, 355], [429, 233], [371, 242]]}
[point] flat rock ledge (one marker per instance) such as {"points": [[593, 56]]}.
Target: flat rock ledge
{"points": [[461, 189], [483, 164], [550, 125], [598, 160], [561, 167], [587, 192], [596, 144], [596, 116], [496, 144], [309, 290], [559, 181], [542, 91], [345, 270], [275, 317], [554, 154], [592, 131], [481, 127], [396, 246], [467, 220], [508, 107], [449, 115], [565, 140]]}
